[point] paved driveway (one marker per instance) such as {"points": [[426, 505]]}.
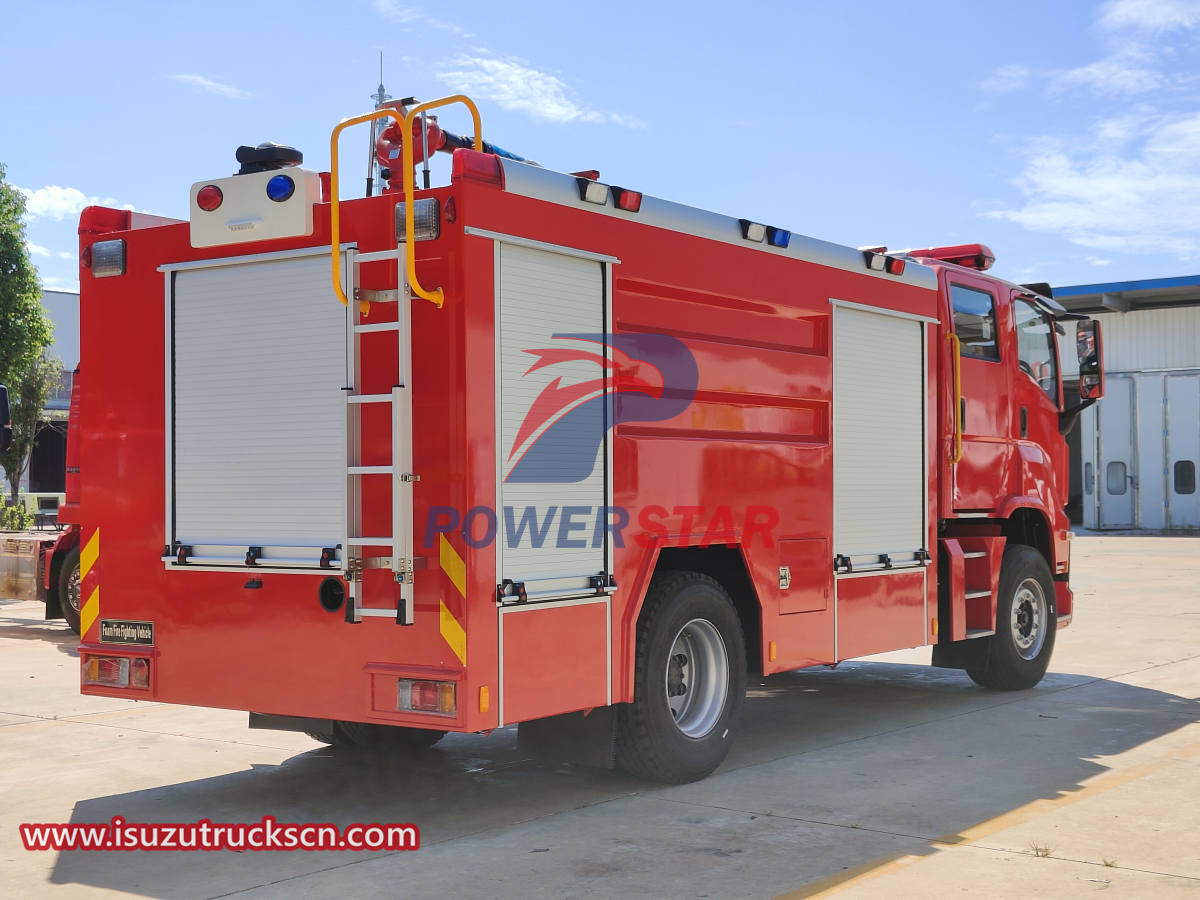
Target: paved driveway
{"points": [[883, 778]]}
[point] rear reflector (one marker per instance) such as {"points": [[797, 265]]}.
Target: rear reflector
{"points": [[630, 201], [475, 166], [427, 221], [435, 697], [895, 265], [108, 258]]}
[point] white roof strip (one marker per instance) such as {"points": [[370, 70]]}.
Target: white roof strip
{"points": [[555, 187]]}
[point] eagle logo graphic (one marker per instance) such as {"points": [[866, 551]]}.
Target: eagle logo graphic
{"points": [[641, 378]]}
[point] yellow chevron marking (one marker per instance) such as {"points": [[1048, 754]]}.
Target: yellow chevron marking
{"points": [[89, 554], [453, 633], [90, 611], [452, 564]]}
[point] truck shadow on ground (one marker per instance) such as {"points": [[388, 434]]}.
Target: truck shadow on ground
{"points": [[37, 628], [892, 751]]}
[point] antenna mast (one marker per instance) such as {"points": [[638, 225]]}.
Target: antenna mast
{"points": [[381, 96]]}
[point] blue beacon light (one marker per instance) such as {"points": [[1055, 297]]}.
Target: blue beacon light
{"points": [[280, 188]]}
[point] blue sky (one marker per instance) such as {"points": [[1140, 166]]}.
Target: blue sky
{"points": [[1066, 135]]}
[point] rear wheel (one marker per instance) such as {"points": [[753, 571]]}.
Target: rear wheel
{"points": [[1016, 656], [68, 589], [689, 682]]}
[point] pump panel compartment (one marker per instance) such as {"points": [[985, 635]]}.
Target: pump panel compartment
{"points": [[256, 452]]}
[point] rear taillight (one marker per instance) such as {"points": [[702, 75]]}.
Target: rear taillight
{"points": [[109, 670], [426, 696], [139, 673], [116, 671]]}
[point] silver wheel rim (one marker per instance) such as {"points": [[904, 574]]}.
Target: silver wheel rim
{"points": [[73, 589], [1028, 618], [697, 679]]}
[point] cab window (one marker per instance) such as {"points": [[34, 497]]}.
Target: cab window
{"points": [[975, 322], [1035, 347]]}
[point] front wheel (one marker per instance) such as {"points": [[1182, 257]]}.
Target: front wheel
{"points": [[1017, 655], [689, 682]]}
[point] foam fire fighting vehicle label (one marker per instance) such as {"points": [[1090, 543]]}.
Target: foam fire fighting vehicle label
{"points": [[117, 631]]}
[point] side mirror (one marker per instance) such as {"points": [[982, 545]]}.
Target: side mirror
{"points": [[1090, 348], [6, 437]]}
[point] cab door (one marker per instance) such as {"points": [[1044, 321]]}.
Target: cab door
{"points": [[1037, 387], [980, 477]]}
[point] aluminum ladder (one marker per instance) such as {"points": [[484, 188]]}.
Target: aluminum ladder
{"points": [[399, 470]]}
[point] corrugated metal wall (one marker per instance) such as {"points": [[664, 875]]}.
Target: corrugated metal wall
{"points": [[1143, 340], [1158, 430]]}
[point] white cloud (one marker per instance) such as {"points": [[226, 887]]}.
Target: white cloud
{"points": [[515, 86], [403, 14], [1007, 79], [52, 283], [212, 87], [36, 249], [1141, 196], [1097, 261], [58, 203], [65, 254], [1150, 15], [1122, 74]]}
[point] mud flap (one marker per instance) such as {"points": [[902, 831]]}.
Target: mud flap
{"points": [[959, 654]]}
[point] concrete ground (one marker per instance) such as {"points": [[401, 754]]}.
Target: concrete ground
{"points": [[884, 778]]}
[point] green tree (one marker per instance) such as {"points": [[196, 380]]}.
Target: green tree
{"points": [[25, 330], [27, 394]]}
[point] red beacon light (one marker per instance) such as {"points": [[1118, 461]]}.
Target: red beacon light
{"points": [[209, 197], [970, 256]]}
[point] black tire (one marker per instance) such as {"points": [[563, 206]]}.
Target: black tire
{"points": [[383, 738], [651, 743], [67, 587], [325, 737], [1016, 656]]}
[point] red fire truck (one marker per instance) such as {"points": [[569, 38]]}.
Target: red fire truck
{"points": [[535, 448], [60, 566]]}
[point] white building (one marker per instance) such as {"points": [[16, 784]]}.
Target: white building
{"points": [[47, 464], [1134, 455]]}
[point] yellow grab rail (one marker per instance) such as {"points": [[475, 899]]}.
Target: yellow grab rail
{"points": [[436, 297], [335, 210], [335, 220], [957, 453]]}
